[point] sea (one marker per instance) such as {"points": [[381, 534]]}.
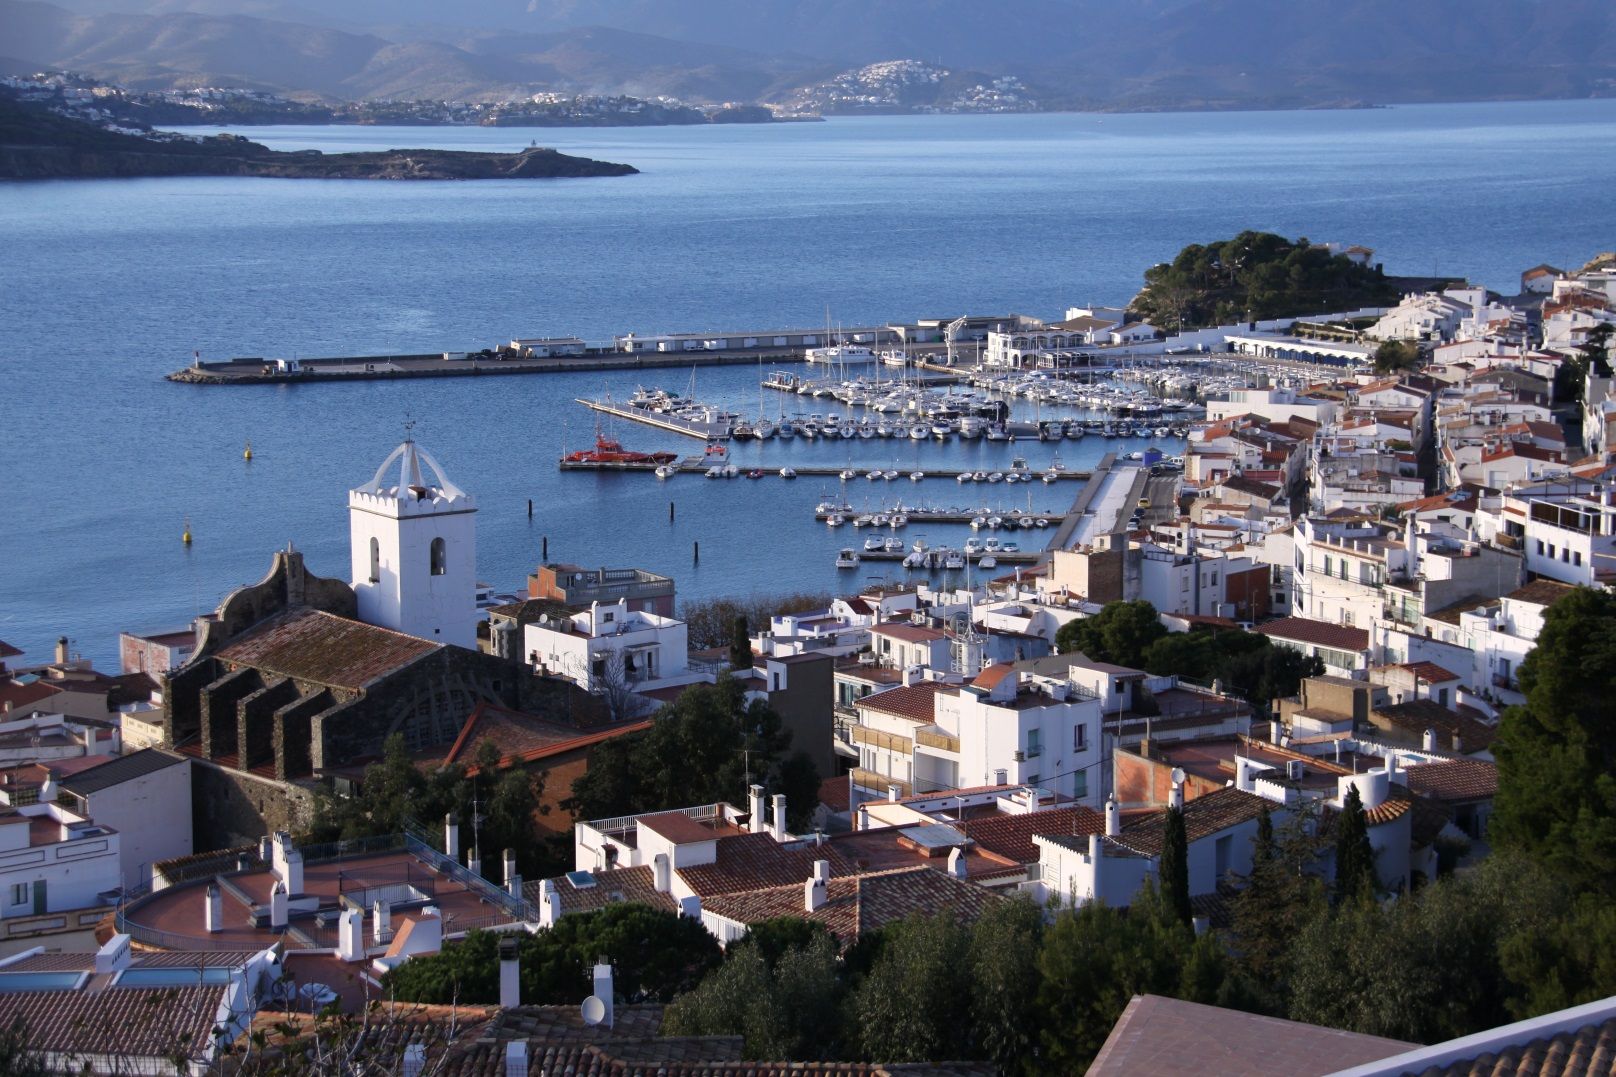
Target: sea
{"points": [[105, 285]]}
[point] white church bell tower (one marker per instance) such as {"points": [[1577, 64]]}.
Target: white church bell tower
{"points": [[413, 538]]}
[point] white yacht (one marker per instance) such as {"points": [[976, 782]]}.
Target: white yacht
{"points": [[847, 558]]}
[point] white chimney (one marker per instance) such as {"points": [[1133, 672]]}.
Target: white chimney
{"points": [[294, 871], [817, 889], [213, 910], [911, 674], [754, 805], [956, 863], [1429, 743], [510, 973], [266, 849], [690, 907], [516, 1058], [1276, 731], [513, 881], [1175, 799], [1113, 818], [351, 936], [661, 873], [1094, 848], [779, 817], [474, 864], [549, 904], [603, 990], [893, 791], [414, 1060], [89, 740], [114, 955], [381, 921], [451, 837], [277, 907]]}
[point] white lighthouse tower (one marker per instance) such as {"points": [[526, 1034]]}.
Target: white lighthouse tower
{"points": [[413, 538]]}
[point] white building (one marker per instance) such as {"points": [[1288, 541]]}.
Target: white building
{"points": [[1009, 725], [149, 793], [609, 644], [1272, 405], [1111, 867], [53, 860], [413, 542]]}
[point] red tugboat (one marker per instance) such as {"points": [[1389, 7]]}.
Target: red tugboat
{"points": [[607, 451]]}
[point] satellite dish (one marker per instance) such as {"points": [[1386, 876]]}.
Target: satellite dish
{"points": [[594, 1010], [1178, 775]]}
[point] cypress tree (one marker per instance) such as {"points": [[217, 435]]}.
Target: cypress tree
{"points": [[1175, 865], [740, 645], [1354, 856]]}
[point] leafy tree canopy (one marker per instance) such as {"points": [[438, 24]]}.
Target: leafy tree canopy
{"points": [[1556, 755], [1255, 275], [1120, 633], [699, 750], [654, 954]]}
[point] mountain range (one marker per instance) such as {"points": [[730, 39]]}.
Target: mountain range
{"points": [[1069, 53]]}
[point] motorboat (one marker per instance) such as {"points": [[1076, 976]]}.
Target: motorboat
{"points": [[918, 432], [995, 522], [874, 475], [995, 476], [1040, 522], [894, 544], [874, 543], [788, 473], [899, 520], [863, 520], [847, 558], [917, 476], [964, 477], [1009, 547], [835, 519], [921, 545], [889, 475], [978, 522], [715, 472], [755, 473], [987, 561], [666, 471], [973, 545], [849, 473], [990, 545]]}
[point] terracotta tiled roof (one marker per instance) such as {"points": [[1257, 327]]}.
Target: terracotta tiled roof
{"points": [[1158, 1035], [1541, 592], [312, 645], [756, 861], [1010, 836], [1454, 780], [991, 676], [917, 702], [611, 888], [525, 738], [856, 904], [1204, 816], [1318, 633], [909, 633], [1589, 1050], [1429, 672], [1415, 716], [148, 1022], [18, 697]]}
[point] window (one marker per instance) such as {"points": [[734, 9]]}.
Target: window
{"points": [[375, 561], [1576, 558], [19, 893], [606, 617], [440, 557], [1540, 547], [1080, 784], [1220, 854], [1080, 738], [1035, 746], [1033, 779]]}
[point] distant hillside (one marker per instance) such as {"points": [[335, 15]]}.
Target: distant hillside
{"points": [[1104, 54], [36, 143]]}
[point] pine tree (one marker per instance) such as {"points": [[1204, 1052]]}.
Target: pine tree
{"points": [[1354, 856], [1175, 865]]}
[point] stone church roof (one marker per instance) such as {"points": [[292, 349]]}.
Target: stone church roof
{"points": [[310, 645]]}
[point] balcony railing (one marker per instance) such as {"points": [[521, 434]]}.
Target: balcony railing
{"points": [[877, 739], [941, 741], [878, 783]]}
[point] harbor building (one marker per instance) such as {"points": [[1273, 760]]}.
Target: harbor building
{"points": [[413, 541]]}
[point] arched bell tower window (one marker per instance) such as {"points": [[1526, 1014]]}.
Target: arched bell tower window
{"points": [[440, 557], [375, 561]]}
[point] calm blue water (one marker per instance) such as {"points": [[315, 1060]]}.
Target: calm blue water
{"points": [[105, 285]]}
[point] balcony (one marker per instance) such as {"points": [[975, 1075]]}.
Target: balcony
{"points": [[940, 741], [878, 783], [888, 741]]}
